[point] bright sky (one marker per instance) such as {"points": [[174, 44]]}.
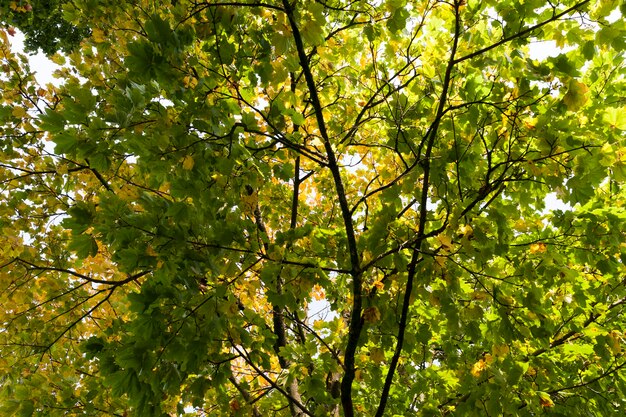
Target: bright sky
{"points": [[41, 65]]}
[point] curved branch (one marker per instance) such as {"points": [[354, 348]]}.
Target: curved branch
{"points": [[355, 324], [276, 386], [78, 320], [117, 283], [415, 259], [521, 34], [591, 381]]}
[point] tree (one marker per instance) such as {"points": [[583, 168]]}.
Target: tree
{"points": [[210, 173]]}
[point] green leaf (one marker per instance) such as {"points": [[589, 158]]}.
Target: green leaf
{"points": [[66, 142], [398, 19], [84, 245], [615, 117], [27, 409], [52, 121]]}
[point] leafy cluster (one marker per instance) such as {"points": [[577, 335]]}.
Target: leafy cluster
{"points": [[317, 208], [45, 24]]}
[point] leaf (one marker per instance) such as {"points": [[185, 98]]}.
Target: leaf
{"points": [[188, 162], [377, 355], [478, 368], [19, 112], [445, 241], [398, 19], [371, 315], [545, 399], [538, 248], [98, 35], [52, 121], [84, 246], [615, 117], [576, 95], [66, 142], [27, 409]]}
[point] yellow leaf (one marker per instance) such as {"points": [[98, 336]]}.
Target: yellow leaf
{"points": [[544, 399], [190, 82], [500, 351], [98, 35], [531, 122], [520, 225], [250, 200], [538, 247], [363, 61], [615, 338], [151, 252], [478, 368], [188, 162], [10, 246], [445, 241], [466, 231], [378, 285], [19, 111], [377, 354], [318, 292], [58, 59], [480, 295], [428, 70], [615, 117]]}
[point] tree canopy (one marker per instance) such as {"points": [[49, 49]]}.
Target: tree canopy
{"points": [[320, 208], [44, 24]]}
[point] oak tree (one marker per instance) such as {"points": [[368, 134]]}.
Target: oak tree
{"points": [[317, 208]]}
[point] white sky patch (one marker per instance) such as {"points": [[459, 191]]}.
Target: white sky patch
{"points": [[39, 63], [614, 16], [321, 310], [542, 50], [553, 202]]}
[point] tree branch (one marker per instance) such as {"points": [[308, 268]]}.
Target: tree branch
{"points": [[355, 324], [274, 385], [78, 320], [85, 277], [593, 317], [415, 258], [246, 396], [520, 34], [591, 381]]}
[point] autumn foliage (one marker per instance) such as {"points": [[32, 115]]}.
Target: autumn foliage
{"points": [[320, 208]]}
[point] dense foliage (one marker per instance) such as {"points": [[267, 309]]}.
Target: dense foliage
{"points": [[317, 208], [44, 24]]}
